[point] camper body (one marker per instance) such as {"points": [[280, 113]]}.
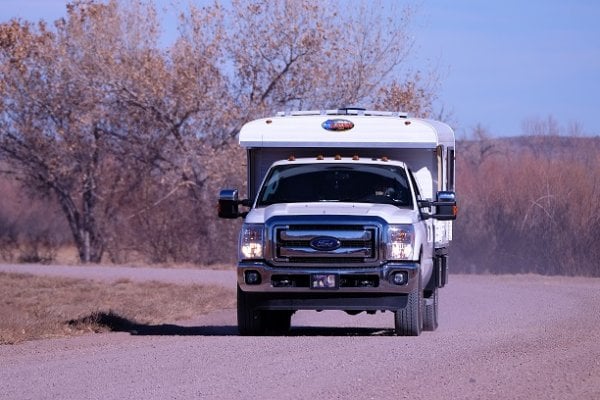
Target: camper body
{"points": [[347, 210]]}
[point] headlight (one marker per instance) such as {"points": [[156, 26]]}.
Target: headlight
{"points": [[400, 242], [251, 241]]}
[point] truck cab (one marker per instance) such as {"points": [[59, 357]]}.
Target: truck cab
{"points": [[347, 210]]}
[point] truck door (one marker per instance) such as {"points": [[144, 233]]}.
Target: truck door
{"points": [[424, 175]]}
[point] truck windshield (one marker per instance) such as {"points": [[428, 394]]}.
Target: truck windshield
{"points": [[360, 183]]}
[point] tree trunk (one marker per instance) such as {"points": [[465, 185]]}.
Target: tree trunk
{"points": [[86, 235]]}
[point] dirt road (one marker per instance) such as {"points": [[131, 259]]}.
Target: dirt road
{"points": [[500, 337]]}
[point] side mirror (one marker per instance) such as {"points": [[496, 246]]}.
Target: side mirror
{"points": [[228, 204], [445, 204]]}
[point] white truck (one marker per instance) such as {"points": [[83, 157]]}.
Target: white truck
{"points": [[347, 209]]}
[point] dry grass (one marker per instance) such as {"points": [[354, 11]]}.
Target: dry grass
{"points": [[33, 307]]}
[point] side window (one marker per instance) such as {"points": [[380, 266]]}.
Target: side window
{"points": [[450, 169], [439, 152], [271, 187], [413, 181]]}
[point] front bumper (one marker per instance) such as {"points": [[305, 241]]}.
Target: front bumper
{"points": [[351, 280]]}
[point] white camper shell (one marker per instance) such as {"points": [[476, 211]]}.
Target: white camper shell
{"points": [[426, 146]]}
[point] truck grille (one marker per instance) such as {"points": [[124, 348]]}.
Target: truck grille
{"points": [[325, 244]]}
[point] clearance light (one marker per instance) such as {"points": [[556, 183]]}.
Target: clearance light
{"points": [[269, 121], [385, 159], [320, 157], [355, 157], [406, 123], [337, 157], [292, 158]]}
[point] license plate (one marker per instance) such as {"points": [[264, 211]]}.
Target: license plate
{"points": [[324, 281]]}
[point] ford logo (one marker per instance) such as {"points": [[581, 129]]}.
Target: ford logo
{"points": [[325, 243]]}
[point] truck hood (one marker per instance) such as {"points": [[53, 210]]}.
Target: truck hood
{"points": [[389, 213]]}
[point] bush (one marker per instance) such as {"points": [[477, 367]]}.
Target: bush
{"points": [[31, 230], [530, 206]]}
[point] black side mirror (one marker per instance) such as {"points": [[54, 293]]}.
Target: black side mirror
{"points": [[228, 204], [445, 204]]}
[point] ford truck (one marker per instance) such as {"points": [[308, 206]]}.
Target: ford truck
{"points": [[346, 209]]}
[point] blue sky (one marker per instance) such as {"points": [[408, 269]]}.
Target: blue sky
{"points": [[500, 62], [507, 61]]}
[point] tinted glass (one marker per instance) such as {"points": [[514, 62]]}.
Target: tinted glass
{"points": [[361, 183]]}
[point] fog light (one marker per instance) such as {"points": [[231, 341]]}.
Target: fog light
{"points": [[399, 278], [252, 277]]}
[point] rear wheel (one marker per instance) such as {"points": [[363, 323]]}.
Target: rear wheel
{"points": [[430, 320], [250, 320], [408, 321]]}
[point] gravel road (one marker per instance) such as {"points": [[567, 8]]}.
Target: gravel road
{"points": [[500, 337]]}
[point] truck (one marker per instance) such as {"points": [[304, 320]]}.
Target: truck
{"points": [[346, 209]]}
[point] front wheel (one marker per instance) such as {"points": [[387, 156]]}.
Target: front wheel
{"points": [[250, 320], [408, 321]]}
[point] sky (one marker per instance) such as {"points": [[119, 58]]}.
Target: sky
{"points": [[500, 63]]}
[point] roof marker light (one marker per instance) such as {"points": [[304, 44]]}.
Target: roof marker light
{"points": [[385, 159], [406, 123], [355, 157], [337, 157], [292, 158], [320, 157], [269, 121]]}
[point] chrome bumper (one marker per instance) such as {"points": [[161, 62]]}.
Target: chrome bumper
{"points": [[381, 277]]}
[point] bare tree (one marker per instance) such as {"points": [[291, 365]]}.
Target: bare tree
{"points": [[55, 119], [413, 96], [128, 134], [548, 126], [304, 54]]}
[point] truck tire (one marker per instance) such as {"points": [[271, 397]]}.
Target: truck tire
{"points": [[408, 321], [430, 318], [250, 320]]}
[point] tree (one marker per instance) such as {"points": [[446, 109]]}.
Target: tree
{"points": [[123, 131], [55, 119], [409, 96], [317, 55]]}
